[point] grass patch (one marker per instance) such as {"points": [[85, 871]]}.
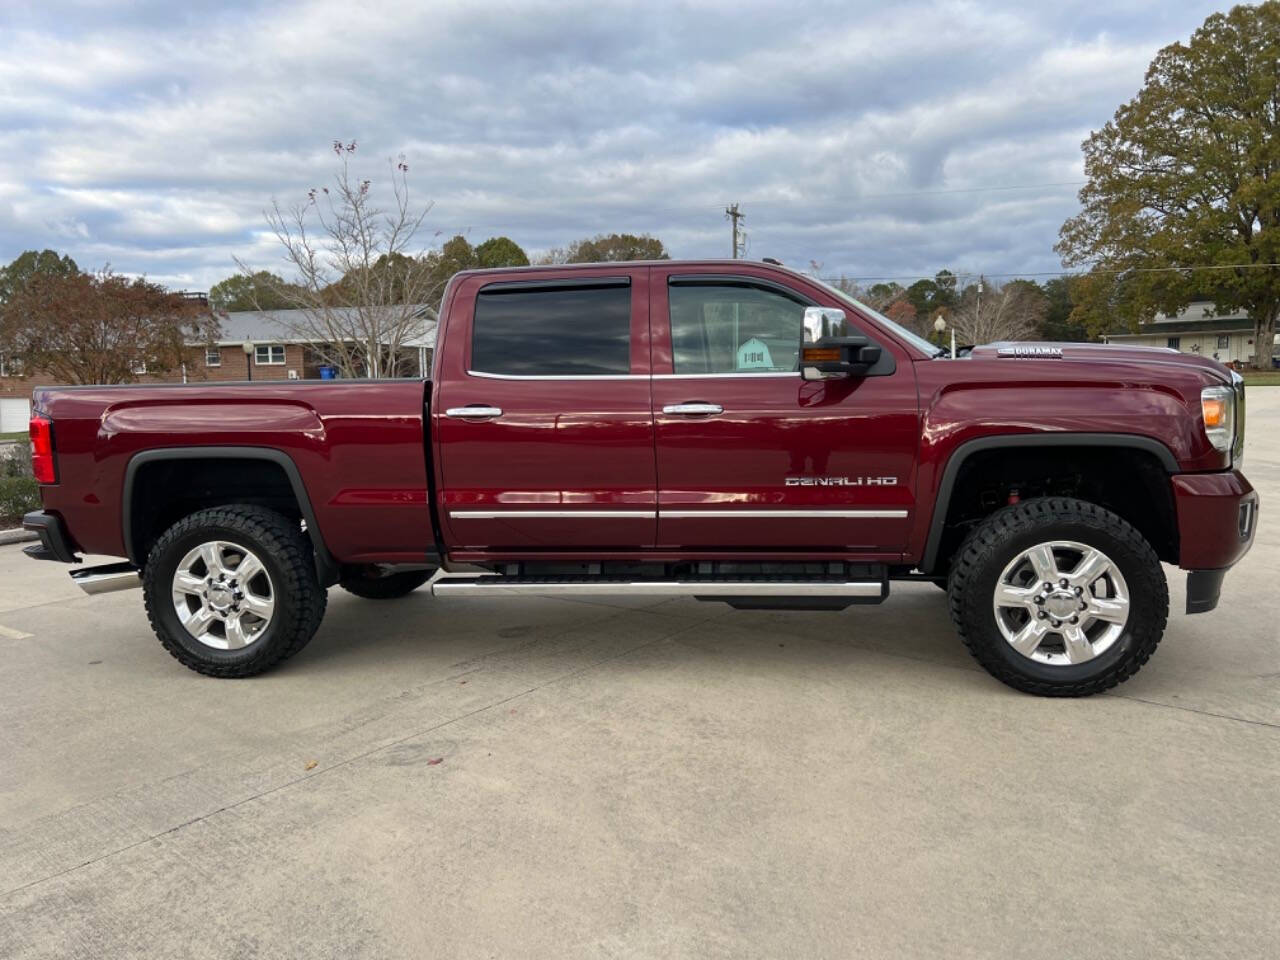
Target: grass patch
{"points": [[1261, 378], [20, 435]]}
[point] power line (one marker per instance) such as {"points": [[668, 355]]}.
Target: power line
{"points": [[1020, 186], [933, 193], [1065, 273]]}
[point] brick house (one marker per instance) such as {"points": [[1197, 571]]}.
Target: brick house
{"points": [[275, 352], [279, 353]]}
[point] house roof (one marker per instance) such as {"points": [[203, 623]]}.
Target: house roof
{"points": [[1201, 311], [290, 326], [1205, 325], [1201, 316]]}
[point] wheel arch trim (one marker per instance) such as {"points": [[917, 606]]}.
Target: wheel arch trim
{"points": [[942, 502], [326, 565]]}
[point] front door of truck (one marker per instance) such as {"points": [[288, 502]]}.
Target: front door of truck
{"points": [[750, 456], [542, 413]]}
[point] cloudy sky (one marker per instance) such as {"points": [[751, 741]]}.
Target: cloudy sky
{"points": [[880, 139]]}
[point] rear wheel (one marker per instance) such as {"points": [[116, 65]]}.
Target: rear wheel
{"points": [[391, 586], [1058, 597], [231, 591]]}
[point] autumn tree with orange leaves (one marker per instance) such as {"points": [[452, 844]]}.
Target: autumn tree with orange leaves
{"points": [[101, 327]]}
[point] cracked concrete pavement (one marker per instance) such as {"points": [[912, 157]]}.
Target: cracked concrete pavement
{"points": [[636, 778]]}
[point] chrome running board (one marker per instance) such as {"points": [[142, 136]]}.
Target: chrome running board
{"points": [[107, 578], [471, 585]]}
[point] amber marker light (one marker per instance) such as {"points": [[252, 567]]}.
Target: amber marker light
{"points": [[1215, 411], [822, 355], [1217, 405]]}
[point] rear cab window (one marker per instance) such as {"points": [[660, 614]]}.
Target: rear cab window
{"points": [[557, 329]]}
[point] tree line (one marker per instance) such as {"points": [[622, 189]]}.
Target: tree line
{"points": [[1181, 203], [265, 290], [978, 311], [97, 326], [87, 327]]}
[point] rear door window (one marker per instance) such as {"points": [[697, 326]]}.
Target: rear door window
{"points": [[552, 330]]}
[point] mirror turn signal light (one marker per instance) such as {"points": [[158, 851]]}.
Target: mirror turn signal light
{"points": [[822, 355]]}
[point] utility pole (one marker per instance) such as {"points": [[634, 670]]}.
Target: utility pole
{"points": [[732, 213]]}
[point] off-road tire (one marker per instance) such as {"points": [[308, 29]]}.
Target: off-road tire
{"points": [[389, 587], [287, 555], [993, 544]]}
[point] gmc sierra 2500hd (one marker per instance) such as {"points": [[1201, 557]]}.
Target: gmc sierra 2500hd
{"points": [[727, 430]]}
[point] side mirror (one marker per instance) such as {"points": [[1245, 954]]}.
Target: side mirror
{"points": [[828, 351]]}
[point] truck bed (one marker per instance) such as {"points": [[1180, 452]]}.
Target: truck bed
{"points": [[356, 449]]}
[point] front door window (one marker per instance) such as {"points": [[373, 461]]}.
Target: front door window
{"points": [[725, 328]]}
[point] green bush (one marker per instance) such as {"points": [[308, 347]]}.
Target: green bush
{"points": [[18, 495], [16, 461]]}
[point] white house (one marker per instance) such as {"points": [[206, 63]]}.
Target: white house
{"points": [[1227, 337]]}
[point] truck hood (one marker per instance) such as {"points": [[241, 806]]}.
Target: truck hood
{"points": [[1095, 353]]}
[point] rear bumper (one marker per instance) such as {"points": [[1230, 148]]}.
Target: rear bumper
{"points": [[54, 543], [1217, 520]]}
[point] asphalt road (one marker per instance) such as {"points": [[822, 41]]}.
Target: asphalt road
{"points": [[548, 778]]}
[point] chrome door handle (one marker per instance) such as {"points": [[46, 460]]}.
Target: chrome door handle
{"points": [[477, 411], [693, 409]]}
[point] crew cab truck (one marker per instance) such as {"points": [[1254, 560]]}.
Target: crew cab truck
{"points": [[730, 431]]}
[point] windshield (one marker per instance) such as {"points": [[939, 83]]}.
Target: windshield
{"points": [[917, 341]]}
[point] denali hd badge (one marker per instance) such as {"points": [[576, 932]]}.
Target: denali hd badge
{"points": [[842, 481]]}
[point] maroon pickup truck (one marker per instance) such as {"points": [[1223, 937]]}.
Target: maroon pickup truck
{"points": [[724, 430]]}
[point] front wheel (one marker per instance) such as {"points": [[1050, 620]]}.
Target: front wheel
{"points": [[231, 591], [1058, 597]]}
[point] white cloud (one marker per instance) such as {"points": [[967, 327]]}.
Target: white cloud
{"points": [[153, 137]]}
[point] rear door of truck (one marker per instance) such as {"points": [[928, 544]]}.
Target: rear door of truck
{"points": [[542, 412]]}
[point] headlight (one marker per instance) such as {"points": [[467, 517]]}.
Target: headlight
{"points": [[1218, 404]]}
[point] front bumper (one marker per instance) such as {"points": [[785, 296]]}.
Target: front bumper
{"points": [[55, 544], [1217, 520]]}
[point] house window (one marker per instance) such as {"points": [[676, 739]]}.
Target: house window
{"points": [[139, 367], [212, 357], [269, 355], [10, 366], [1224, 341], [1174, 343]]}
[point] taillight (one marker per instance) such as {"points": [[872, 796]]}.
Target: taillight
{"points": [[42, 464]]}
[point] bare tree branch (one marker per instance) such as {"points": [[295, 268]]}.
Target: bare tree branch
{"points": [[361, 286]]}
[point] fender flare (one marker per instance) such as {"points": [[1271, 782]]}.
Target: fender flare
{"points": [[942, 501], [326, 565]]}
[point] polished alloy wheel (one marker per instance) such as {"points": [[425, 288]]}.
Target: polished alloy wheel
{"points": [[1061, 603], [223, 595]]}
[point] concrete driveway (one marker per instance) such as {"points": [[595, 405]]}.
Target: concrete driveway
{"points": [[548, 778]]}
